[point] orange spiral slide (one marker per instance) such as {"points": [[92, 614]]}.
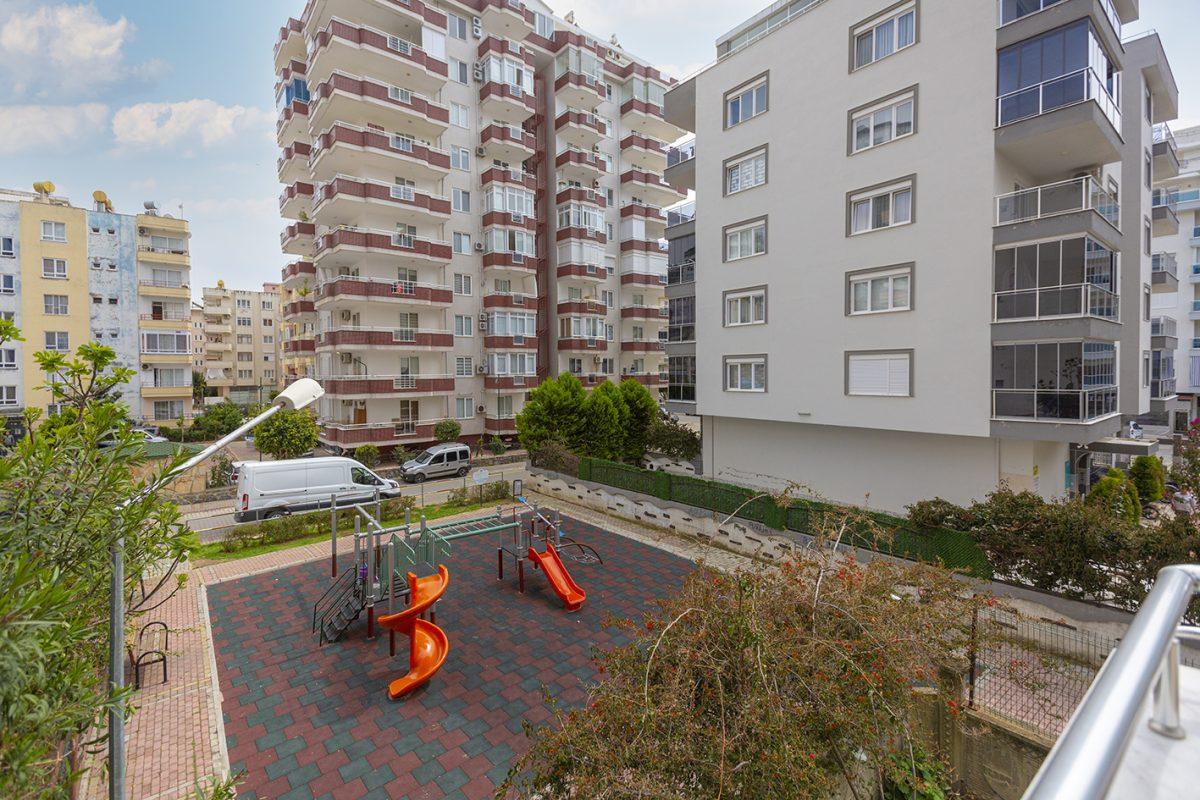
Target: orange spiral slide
{"points": [[428, 644], [560, 580]]}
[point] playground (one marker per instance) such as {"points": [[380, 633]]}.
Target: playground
{"points": [[314, 706]]}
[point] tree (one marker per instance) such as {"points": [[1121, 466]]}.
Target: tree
{"points": [[447, 430], [618, 445], [219, 420], [1116, 493], [1185, 466], [791, 682], [601, 424], [673, 439], [287, 434], [643, 413], [367, 455], [1148, 476], [199, 388], [89, 377], [552, 413]]}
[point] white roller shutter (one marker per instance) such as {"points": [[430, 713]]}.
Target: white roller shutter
{"points": [[880, 374]]}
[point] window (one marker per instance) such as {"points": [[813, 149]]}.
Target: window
{"points": [[463, 368], [460, 115], [883, 122], [245, 338], [245, 322], [97, 300], [1062, 277], [1054, 380], [512, 323], [1145, 368], [745, 373], [58, 341], [464, 407], [54, 231], [1147, 236], [1146, 291], [878, 292], [681, 378], [512, 364], [55, 304], [8, 395], [8, 358], [746, 172], [54, 268], [746, 240], [880, 37], [460, 158], [460, 199], [888, 207], [112, 301], [543, 25], [608, 297], [456, 26], [462, 242], [746, 307], [504, 406], [462, 283], [462, 325], [8, 284], [168, 409], [268, 340], [681, 319], [459, 70], [746, 103], [268, 305], [575, 366], [1056, 69], [244, 357], [243, 302], [164, 342], [879, 374], [7, 248], [245, 374], [1149, 170]]}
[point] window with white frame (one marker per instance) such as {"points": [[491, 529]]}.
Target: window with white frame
{"points": [[54, 268], [882, 36], [746, 240], [878, 292], [462, 242], [54, 305], [58, 341], [464, 407], [504, 406], [8, 395], [462, 325], [512, 364], [460, 157], [510, 199], [7, 247], [745, 373], [879, 374], [543, 25], [582, 328], [746, 173], [746, 103], [165, 342], [168, 409], [512, 323], [460, 200], [875, 209], [8, 358], [507, 240], [460, 115], [54, 231], [460, 71], [746, 308], [579, 215], [243, 302], [456, 26], [463, 367], [462, 283], [8, 284], [883, 123]]}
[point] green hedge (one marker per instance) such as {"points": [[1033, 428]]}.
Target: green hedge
{"points": [[955, 549]]}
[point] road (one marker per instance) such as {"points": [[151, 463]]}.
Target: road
{"points": [[213, 520]]}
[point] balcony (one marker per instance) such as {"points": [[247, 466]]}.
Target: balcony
{"points": [[406, 385], [652, 217], [1053, 302], [149, 287], [647, 379], [581, 129], [643, 347], [681, 215], [349, 435], [581, 234], [1163, 389], [569, 344], [500, 425], [293, 164], [511, 383], [367, 102], [1164, 213], [1054, 405], [584, 166], [506, 102], [505, 262], [348, 289], [1022, 19], [162, 392], [527, 302], [298, 307], [365, 50], [299, 346], [1063, 125], [508, 143], [375, 204], [292, 124], [169, 318], [289, 45], [218, 328], [649, 313], [509, 18], [583, 307], [578, 90], [297, 238], [589, 273], [644, 153], [1194, 241], [215, 348], [1194, 313], [510, 177], [505, 342], [1166, 153], [403, 17], [1074, 207], [1164, 274], [350, 337], [505, 47], [579, 194], [384, 249], [651, 246], [647, 119], [295, 200], [635, 278], [681, 166], [301, 272], [161, 255], [679, 274], [650, 187], [347, 149], [1164, 333]]}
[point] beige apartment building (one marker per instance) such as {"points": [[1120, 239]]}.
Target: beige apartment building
{"points": [[923, 244], [474, 193], [242, 348]]}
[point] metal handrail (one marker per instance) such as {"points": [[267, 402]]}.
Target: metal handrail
{"points": [[1085, 759]]}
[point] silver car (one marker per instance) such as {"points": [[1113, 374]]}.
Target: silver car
{"points": [[439, 461]]}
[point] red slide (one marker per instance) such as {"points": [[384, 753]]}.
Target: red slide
{"points": [[428, 644], [564, 586]]}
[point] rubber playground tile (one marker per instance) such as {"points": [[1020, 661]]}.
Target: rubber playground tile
{"points": [[290, 706]]}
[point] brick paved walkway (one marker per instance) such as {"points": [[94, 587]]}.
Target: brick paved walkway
{"points": [[309, 722]]}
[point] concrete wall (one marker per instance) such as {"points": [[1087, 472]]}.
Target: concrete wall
{"points": [[10, 304], [115, 325]]}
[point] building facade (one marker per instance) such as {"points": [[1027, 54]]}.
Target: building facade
{"points": [[918, 281], [474, 197], [242, 349]]}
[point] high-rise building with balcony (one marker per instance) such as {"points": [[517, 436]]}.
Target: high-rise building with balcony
{"points": [[243, 347], [924, 259], [473, 194]]}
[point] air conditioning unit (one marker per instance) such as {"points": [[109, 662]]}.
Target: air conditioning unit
{"points": [[483, 370], [483, 325], [482, 317], [141, 231], [479, 247], [518, 340], [518, 258], [518, 219], [346, 358], [479, 409], [477, 71], [595, 359], [476, 28], [479, 151], [345, 316]]}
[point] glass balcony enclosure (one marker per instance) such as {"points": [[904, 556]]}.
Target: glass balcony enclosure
{"points": [[1164, 262], [1162, 374], [1013, 10], [1061, 278], [1064, 197], [681, 315], [681, 214], [1165, 197], [685, 151], [1163, 326], [1054, 381]]}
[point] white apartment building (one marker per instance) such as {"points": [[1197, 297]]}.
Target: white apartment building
{"points": [[243, 346], [475, 199], [923, 236]]}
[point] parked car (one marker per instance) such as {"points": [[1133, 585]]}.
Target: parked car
{"points": [[267, 489], [438, 461], [148, 435]]}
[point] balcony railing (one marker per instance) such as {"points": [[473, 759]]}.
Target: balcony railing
{"points": [[1163, 326], [1013, 10], [1059, 405], [1165, 262], [1165, 197], [1162, 388], [1081, 299], [681, 153], [1056, 93], [682, 214], [681, 273], [1064, 197], [1162, 133]]}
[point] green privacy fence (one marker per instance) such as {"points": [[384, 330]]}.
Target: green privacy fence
{"points": [[955, 549]]}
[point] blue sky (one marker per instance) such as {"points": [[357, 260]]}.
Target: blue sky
{"points": [[172, 100]]}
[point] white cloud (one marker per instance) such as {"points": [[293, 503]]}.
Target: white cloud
{"points": [[64, 49], [188, 125], [44, 128]]}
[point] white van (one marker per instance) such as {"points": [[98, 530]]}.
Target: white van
{"points": [[268, 489]]}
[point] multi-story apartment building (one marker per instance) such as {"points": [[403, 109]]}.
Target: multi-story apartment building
{"points": [[199, 338], [681, 293], [70, 275], [926, 264], [242, 356], [475, 193], [1175, 264]]}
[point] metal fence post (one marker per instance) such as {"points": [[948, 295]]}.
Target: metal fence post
{"points": [[974, 655], [333, 535]]}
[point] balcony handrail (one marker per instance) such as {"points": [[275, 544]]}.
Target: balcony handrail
{"points": [[170, 316], [149, 248], [379, 377], [1025, 205], [1085, 759], [318, 98], [406, 45], [1163, 326], [161, 284], [1110, 11], [1165, 198], [362, 426], [1163, 133], [1164, 262], [685, 151], [384, 328], [1094, 90], [411, 192], [522, 295], [386, 281], [1090, 306]]}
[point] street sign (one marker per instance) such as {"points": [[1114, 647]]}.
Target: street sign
{"points": [[480, 476]]}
